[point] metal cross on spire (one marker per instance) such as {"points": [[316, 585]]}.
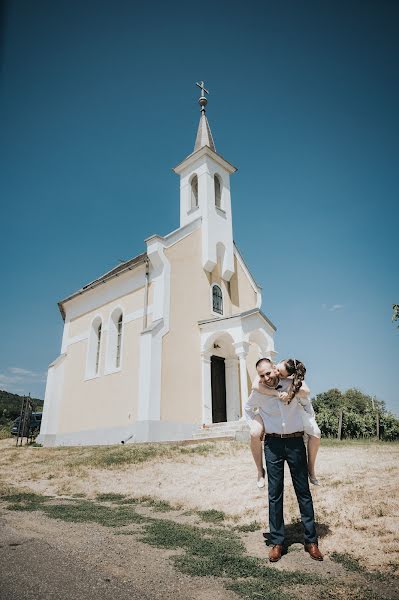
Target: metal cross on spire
{"points": [[203, 100]]}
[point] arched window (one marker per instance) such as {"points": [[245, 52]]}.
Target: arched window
{"points": [[115, 340], [94, 348], [118, 342], [98, 336], [218, 191], [194, 192], [217, 299]]}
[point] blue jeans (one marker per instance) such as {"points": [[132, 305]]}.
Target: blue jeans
{"points": [[292, 450]]}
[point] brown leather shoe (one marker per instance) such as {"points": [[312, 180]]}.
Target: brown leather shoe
{"points": [[276, 553], [314, 551]]}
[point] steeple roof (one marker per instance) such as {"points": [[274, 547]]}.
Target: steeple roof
{"points": [[204, 134], [204, 143]]}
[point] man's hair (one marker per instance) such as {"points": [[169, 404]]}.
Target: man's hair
{"points": [[263, 360]]}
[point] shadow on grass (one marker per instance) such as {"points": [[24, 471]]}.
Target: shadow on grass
{"points": [[294, 533]]}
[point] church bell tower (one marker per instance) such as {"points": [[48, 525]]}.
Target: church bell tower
{"points": [[205, 194]]}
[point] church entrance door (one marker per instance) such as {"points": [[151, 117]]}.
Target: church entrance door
{"points": [[218, 383]]}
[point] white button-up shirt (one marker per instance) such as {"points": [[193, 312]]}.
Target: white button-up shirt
{"points": [[277, 416]]}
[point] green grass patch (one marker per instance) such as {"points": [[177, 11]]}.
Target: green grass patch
{"points": [[157, 505], [73, 511], [91, 512], [110, 497], [115, 456], [211, 516], [334, 443], [221, 553], [109, 457], [253, 526], [202, 449], [28, 501], [255, 589], [349, 562]]}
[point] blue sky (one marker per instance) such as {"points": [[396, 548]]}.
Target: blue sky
{"points": [[98, 102]]}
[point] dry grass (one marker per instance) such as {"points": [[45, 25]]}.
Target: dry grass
{"points": [[357, 505]]}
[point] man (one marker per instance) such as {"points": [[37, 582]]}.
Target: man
{"points": [[283, 442]]}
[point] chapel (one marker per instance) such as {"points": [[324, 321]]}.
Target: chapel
{"points": [[165, 343]]}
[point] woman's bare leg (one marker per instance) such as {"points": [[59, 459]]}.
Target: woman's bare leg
{"points": [[257, 432], [313, 448]]}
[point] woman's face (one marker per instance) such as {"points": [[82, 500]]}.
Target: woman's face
{"points": [[281, 369]]}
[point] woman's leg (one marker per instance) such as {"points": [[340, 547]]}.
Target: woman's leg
{"points": [[313, 448], [257, 433]]}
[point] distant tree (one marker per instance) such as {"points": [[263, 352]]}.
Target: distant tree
{"points": [[389, 425], [395, 316], [359, 412], [10, 406], [332, 399]]}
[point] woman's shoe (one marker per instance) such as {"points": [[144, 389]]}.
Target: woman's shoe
{"points": [[261, 481], [314, 480]]}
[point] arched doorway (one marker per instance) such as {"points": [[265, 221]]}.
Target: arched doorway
{"points": [[224, 402]]}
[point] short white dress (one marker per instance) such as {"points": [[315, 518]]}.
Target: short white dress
{"points": [[310, 425]]}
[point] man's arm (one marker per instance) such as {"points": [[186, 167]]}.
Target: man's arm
{"points": [[254, 401]]}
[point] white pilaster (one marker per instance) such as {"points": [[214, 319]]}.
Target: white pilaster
{"points": [[232, 389], [241, 350], [206, 388], [150, 367]]}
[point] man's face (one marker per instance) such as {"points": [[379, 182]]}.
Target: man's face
{"points": [[267, 373]]}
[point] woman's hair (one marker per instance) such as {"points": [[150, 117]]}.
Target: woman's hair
{"points": [[298, 370]]}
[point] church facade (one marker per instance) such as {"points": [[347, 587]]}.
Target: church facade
{"points": [[166, 342]]}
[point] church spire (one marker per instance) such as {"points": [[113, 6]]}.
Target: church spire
{"points": [[204, 134]]}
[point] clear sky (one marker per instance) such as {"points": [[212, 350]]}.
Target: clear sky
{"points": [[98, 102]]}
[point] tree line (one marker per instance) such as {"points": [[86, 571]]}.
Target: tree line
{"points": [[362, 415], [10, 406]]}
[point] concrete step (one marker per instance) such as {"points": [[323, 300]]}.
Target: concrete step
{"points": [[208, 433], [220, 437], [237, 430], [233, 425]]}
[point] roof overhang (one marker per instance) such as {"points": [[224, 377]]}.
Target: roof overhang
{"points": [[204, 151], [120, 269], [221, 322]]}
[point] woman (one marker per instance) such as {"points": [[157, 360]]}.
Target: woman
{"points": [[294, 370]]}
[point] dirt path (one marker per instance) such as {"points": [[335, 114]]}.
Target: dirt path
{"points": [[47, 559]]}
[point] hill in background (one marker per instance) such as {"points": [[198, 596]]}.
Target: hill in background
{"points": [[10, 406]]}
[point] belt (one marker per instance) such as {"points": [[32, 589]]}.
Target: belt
{"points": [[286, 435]]}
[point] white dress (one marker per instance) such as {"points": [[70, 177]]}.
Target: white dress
{"points": [[308, 417]]}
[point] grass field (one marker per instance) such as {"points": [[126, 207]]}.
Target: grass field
{"points": [[357, 505]]}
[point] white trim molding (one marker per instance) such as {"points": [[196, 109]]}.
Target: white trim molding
{"points": [[150, 368]]}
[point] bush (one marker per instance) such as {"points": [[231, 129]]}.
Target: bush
{"points": [[359, 412], [5, 430]]}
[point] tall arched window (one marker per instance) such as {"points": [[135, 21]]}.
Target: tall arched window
{"points": [[218, 191], [94, 348], [114, 342], [194, 192], [217, 299], [118, 342], [98, 336]]}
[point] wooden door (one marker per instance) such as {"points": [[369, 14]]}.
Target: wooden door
{"points": [[218, 382]]}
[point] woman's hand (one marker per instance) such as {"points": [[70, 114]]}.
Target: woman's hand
{"points": [[284, 397]]}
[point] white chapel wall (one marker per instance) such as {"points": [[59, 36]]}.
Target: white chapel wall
{"points": [[111, 398]]}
